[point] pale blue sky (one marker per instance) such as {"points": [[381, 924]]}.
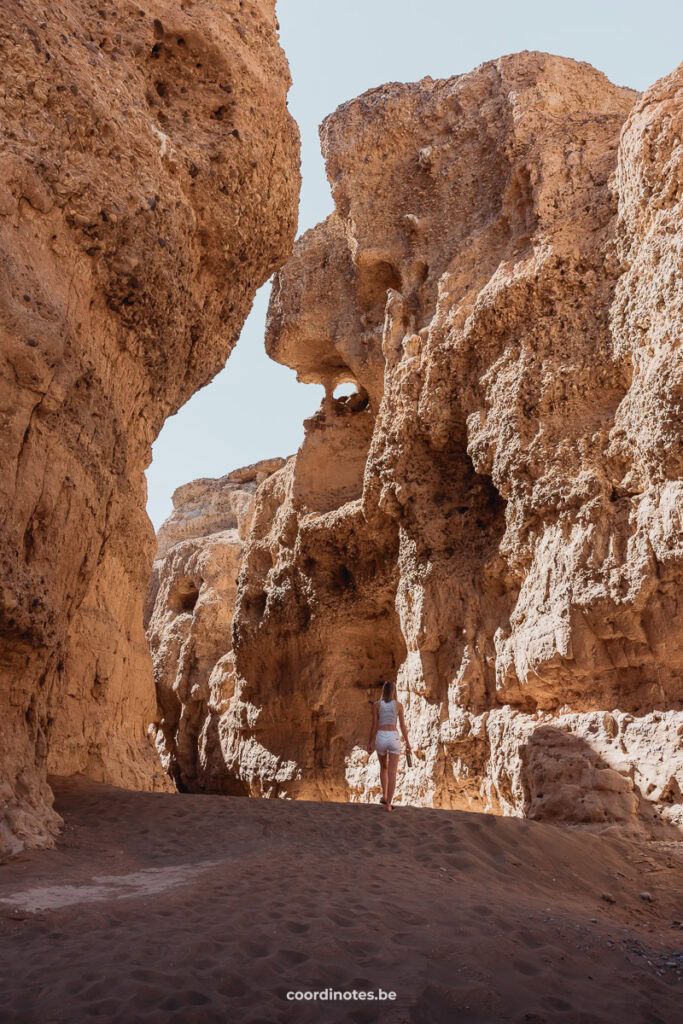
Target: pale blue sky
{"points": [[254, 409]]}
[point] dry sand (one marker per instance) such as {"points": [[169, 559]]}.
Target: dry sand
{"points": [[163, 907]]}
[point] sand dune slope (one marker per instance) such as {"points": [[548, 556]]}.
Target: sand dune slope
{"points": [[162, 907]]}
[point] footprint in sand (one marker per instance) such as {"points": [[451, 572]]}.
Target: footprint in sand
{"points": [[298, 928], [97, 990], [360, 950], [525, 968], [449, 845], [145, 997], [529, 940], [104, 1009], [292, 957], [553, 1003], [180, 1000], [192, 998], [255, 950], [74, 987], [150, 977], [361, 983], [459, 863], [341, 922], [233, 988]]}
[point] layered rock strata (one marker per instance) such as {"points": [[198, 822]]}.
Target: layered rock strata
{"points": [[495, 517], [148, 186]]}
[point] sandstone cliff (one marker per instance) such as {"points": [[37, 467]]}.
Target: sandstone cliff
{"points": [[148, 186], [190, 606], [494, 518]]}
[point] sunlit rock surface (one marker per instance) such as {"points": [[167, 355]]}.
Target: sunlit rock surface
{"points": [[494, 518], [148, 186]]}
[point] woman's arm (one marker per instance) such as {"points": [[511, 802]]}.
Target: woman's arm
{"points": [[373, 729], [403, 726]]}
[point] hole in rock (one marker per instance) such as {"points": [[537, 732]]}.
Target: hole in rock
{"points": [[344, 390], [342, 580], [255, 607], [374, 281], [183, 595]]}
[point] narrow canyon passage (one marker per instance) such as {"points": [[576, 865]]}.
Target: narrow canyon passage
{"points": [[157, 907], [491, 520]]}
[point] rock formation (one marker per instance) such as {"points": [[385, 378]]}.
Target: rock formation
{"points": [[495, 517], [148, 186], [190, 605]]}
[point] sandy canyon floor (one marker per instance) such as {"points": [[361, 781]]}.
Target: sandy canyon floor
{"points": [[206, 908]]}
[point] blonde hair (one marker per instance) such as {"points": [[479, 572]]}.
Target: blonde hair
{"points": [[388, 692]]}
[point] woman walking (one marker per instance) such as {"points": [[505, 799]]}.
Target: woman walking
{"points": [[386, 713]]}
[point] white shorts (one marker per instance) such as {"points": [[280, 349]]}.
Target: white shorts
{"points": [[387, 742]]}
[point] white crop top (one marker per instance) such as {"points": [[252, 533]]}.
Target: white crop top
{"points": [[387, 713]]}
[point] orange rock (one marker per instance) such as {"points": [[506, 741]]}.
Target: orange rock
{"points": [[495, 517], [149, 185], [190, 607]]}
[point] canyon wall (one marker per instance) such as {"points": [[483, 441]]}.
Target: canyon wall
{"points": [[149, 184], [494, 518], [190, 606]]}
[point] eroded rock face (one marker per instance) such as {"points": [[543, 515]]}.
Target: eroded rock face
{"points": [[190, 605], [148, 186], [494, 519]]}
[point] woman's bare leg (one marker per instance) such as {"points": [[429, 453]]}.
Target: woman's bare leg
{"points": [[391, 780], [383, 773]]}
